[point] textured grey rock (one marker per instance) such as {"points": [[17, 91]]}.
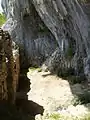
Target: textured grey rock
{"points": [[52, 31], [28, 31]]}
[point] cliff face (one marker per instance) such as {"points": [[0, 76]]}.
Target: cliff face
{"points": [[53, 32], [28, 30], [9, 67]]}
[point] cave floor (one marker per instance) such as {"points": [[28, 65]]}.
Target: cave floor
{"points": [[56, 94]]}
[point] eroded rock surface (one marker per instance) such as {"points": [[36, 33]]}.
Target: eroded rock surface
{"points": [[9, 67], [55, 32]]}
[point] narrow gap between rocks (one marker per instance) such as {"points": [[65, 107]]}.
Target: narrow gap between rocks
{"points": [[27, 107]]}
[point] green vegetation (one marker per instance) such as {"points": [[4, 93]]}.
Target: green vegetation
{"points": [[2, 19], [56, 116], [32, 69]]}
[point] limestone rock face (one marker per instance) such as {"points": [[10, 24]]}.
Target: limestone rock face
{"points": [[28, 30], [9, 67], [53, 32]]}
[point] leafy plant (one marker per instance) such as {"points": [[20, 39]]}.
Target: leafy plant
{"points": [[2, 19]]}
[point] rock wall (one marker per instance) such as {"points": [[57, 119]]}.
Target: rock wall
{"points": [[53, 32], [9, 67], [28, 31]]}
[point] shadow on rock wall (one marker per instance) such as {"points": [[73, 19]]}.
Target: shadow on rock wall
{"points": [[23, 109], [23, 104]]}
